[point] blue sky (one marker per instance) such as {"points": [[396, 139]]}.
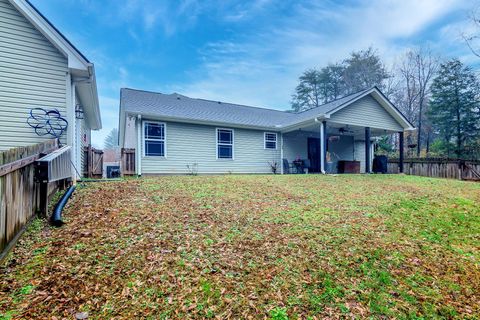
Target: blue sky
{"points": [[248, 52]]}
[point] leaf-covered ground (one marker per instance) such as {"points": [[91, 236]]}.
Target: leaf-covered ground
{"points": [[262, 247]]}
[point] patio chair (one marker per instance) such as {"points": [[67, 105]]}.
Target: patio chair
{"points": [[287, 167]]}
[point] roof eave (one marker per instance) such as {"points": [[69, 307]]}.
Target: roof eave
{"points": [[153, 116], [88, 95]]}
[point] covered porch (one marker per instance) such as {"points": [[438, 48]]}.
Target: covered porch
{"points": [[332, 147]]}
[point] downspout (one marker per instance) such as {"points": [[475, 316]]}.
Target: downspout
{"points": [[138, 152], [322, 142], [77, 125], [281, 153]]}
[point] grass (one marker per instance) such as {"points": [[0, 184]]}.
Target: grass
{"points": [[266, 247]]}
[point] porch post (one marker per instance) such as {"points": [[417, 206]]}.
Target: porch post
{"points": [[367, 149], [400, 151], [281, 153], [323, 145]]}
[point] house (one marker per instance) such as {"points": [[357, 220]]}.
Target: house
{"points": [[172, 133], [40, 68]]}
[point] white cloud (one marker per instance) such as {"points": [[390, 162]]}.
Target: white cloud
{"points": [[261, 67]]}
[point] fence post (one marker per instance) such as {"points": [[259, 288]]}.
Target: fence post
{"points": [[400, 149], [43, 201]]}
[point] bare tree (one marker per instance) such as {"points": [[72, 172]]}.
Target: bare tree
{"points": [[416, 72], [426, 65], [471, 39]]}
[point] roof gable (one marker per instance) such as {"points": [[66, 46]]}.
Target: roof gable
{"points": [[382, 101], [366, 112], [76, 60]]}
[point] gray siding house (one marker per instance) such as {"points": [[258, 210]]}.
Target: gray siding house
{"points": [[40, 68], [172, 132]]}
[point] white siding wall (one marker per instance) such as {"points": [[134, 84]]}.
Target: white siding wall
{"points": [[191, 143], [360, 154], [366, 112], [32, 74], [342, 149], [295, 144]]}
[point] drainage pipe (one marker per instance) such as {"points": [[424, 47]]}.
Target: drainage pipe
{"points": [[56, 218]]}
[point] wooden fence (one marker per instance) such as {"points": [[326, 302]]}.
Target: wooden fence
{"points": [[128, 162], [93, 162], [19, 194], [438, 168]]}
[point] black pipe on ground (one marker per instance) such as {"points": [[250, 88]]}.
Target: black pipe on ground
{"points": [[56, 218]]}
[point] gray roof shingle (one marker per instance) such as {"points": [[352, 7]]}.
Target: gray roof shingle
{"points": [[182, 107]]}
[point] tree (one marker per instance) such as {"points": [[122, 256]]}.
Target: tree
{"points": [[363, 69], [472, 38], [416, 72], [308, 92], [454, 106], [111, 140]]}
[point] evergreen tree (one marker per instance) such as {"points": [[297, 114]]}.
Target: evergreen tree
{"points": [[454, 107], [362, 70], [308, 92]]}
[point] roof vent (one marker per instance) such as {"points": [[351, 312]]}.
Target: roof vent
{"points": [[219, 102], [178, 98]]}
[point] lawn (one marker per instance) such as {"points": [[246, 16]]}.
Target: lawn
{"points": [[262, 247]]}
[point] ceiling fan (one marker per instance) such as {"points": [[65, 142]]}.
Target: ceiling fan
{"points": [[345, 130]]}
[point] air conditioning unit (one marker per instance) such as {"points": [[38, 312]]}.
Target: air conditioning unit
{"points": [[55, 166]]}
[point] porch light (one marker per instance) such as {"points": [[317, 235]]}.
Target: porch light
{"points": [[78, 111]]}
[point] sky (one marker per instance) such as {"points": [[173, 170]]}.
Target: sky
{"points": [[246, 52]]}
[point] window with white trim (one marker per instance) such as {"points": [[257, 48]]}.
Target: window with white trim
{"points": [[154, 139], [224, 144], [270, 140]]}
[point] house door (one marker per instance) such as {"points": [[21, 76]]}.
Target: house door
{"points": [[314, 154]]}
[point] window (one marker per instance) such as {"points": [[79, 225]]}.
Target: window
{"points": [[270, 140], [224, 144], [154, 139]]}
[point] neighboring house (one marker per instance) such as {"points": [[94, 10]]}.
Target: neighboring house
{"points": [[173, 131], [40, 68]]}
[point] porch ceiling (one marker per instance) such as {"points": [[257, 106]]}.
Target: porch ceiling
{"points": [[349, 130]]}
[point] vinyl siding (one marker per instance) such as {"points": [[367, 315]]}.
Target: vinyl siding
{"points": [[33, 74], [366, 112], [191, 143], [360, 154], [295, 144], [342, 149]]}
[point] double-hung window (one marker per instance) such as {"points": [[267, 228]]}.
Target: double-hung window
{"points": [[270, 140], [154, 139], [224, 144]]}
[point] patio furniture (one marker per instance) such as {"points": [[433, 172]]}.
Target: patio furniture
{"points": [[348, 166], [299, 164], [287, 167]]}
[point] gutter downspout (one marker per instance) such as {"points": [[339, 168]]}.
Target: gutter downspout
{"points": [[138, 151], [322, 142], [281, 153]]}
